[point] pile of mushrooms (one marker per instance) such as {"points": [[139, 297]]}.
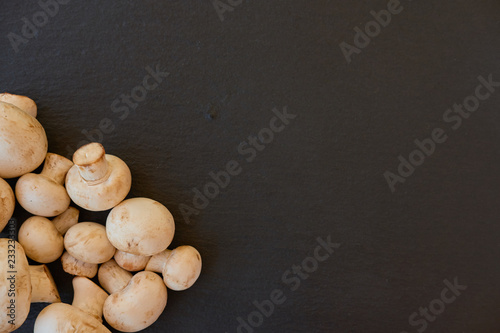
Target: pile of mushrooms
{"points": [[121, 268]]}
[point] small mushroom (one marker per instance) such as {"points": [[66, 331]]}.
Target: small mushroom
{"points": [[21, 284], [73, 266], [64, 318], [138, 305], [180, 267], [41, 240], [44, 194], [87, 241], [88, 297], [23, 142], [131, 262], [7, 203], [24, 103], [97, 181], [140, 226]]}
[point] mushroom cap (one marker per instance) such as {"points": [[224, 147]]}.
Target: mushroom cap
{"points": [[182, 268], [24, 103], [137, 306], [41, 240], [7, 203], [23, 142], [140, 226], [100, 195], [41, 196], [131, 262], [19, 291], [64, 318], [87, 241]]}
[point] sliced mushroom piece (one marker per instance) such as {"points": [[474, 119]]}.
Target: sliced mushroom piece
{"points": [[44, 194], [87, 241], [43, 287], [140, 226], [131, 262], [73, 266]]}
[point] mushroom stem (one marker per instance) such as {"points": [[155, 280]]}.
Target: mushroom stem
{"points": [[112, 277], [77, 267], [56, 167], [158, 261], [66, 220], [91, 162], [88, 297], [44, 288]]}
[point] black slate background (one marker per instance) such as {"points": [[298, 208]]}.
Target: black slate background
{"points": [[323, 175]]}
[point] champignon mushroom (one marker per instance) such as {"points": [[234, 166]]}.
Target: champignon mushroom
{"points": [[66, 220], [21, 284], [180, 267], [88, 297], [41, 240], [97, 181], [138, 305], [24, 103], [44, 194], [87, 241], [23, 142], [131, 262], [140, 226], [73, 266], [7, 203], [64, 318], [112, 277]]}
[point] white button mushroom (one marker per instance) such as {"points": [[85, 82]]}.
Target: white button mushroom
{"points": [[7, 203], [87, 241], [64, 318], [140, 226], [23, 142], [73, 266], [24, 103], [41, 240], [131, 262], [112, 277], [21, 285], [138, 305], [44, 194], [97, 181], [180, 267]]}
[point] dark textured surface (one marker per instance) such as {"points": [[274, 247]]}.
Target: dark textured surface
{"points": [[322, 175]]}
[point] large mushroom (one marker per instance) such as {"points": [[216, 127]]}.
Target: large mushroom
{"points": [[21, 285], [44, 194], [7, 203], [23, 142], [135, 304], [140, 226], [98, 181]]}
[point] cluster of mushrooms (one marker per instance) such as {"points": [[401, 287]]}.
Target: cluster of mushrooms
{"points": [[136, 237]]}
